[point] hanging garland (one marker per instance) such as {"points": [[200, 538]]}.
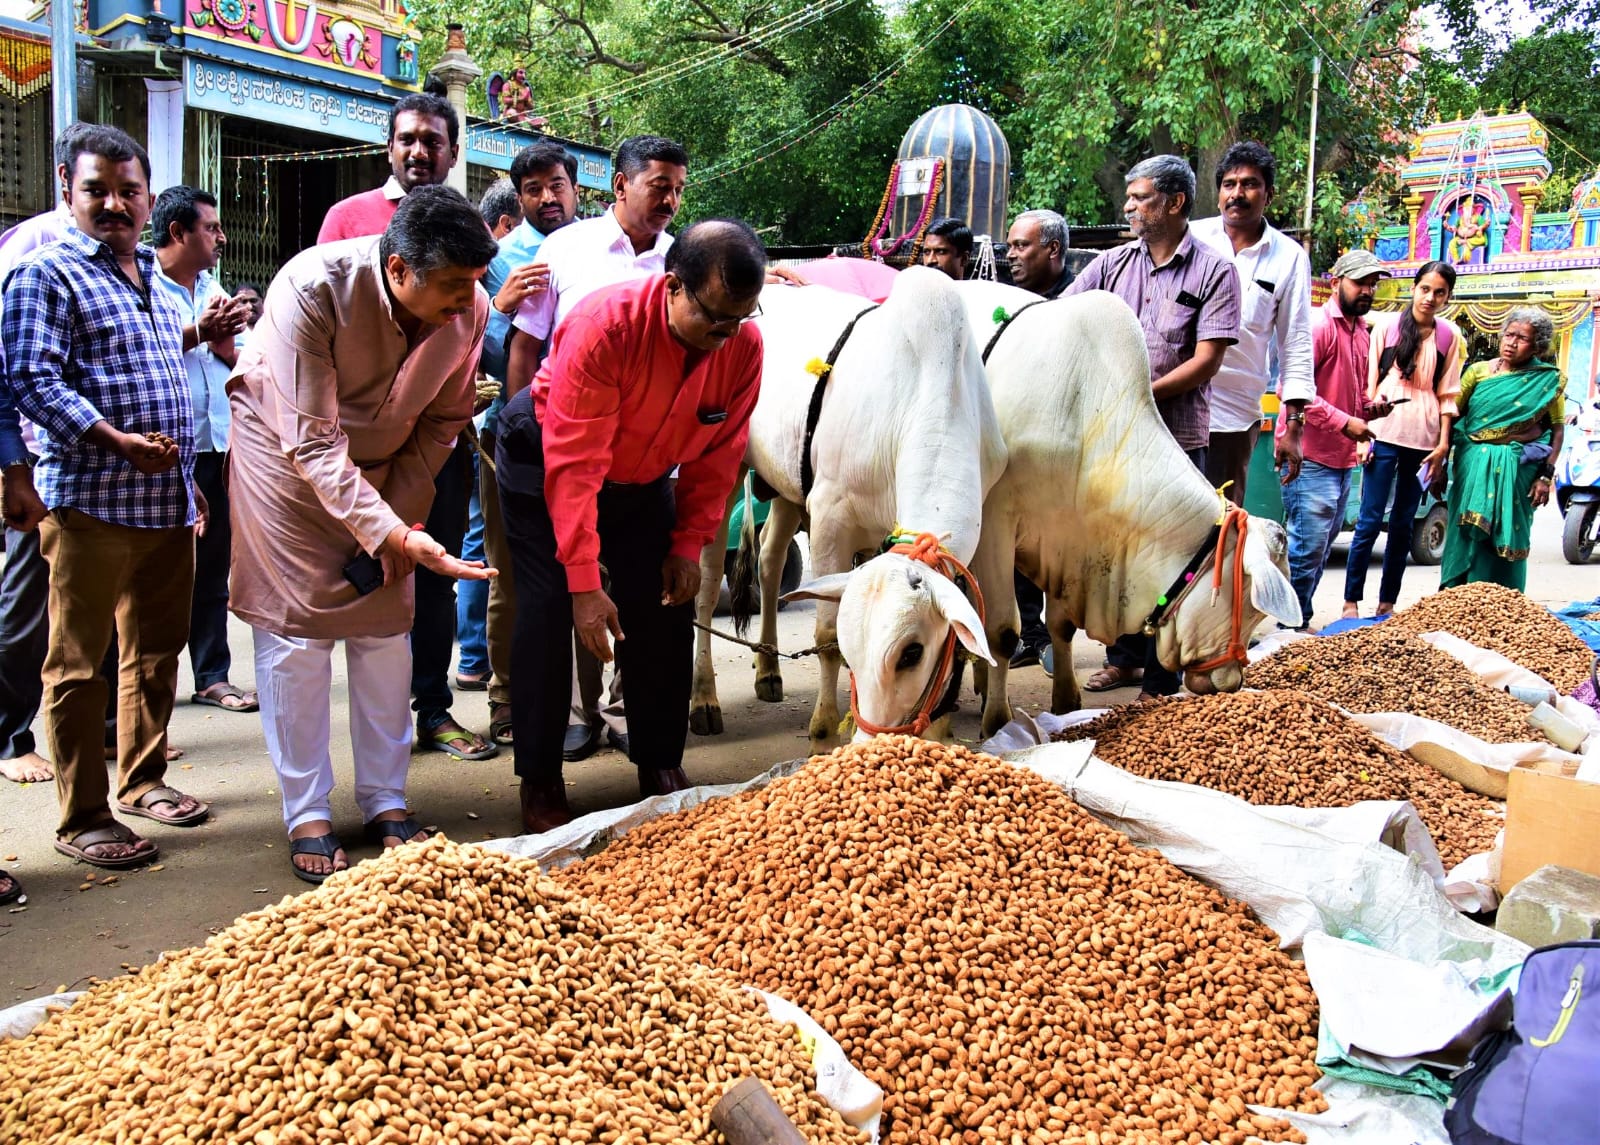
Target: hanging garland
{"points": [[874, 245], [24, 66]]}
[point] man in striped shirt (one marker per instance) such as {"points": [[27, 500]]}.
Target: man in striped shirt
{"points": [[95, 360]]}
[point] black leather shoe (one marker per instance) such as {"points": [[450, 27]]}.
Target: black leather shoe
{"points": [[544, 806], [581, 743], [618, 741], [663, 782], [1026, 656]]}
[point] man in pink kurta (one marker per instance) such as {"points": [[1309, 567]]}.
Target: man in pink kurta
{"points": [[347, 401]]}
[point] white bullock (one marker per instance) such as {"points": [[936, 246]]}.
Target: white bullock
{"points": [[1100, 506], [906, 438]]}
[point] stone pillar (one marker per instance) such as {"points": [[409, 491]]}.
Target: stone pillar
{"points": [[1530, 194], [457, 71]]}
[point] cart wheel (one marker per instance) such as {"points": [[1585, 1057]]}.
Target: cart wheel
{"points": [[1427, 539]]}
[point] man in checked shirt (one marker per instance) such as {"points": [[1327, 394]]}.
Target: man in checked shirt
{"points": [[95, 360]]}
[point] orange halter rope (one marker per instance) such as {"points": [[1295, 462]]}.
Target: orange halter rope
{"points": [[1239, 521], [925, 549]]}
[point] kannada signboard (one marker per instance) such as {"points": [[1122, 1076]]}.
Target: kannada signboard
{"points": [[233, 90]]}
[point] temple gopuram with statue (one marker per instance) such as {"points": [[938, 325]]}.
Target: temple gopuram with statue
{"points": [[1473, 195]]}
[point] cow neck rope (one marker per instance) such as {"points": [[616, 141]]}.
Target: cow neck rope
{"points": [[824, 370], [1005, 320], [1234, 519], [925, 549]]}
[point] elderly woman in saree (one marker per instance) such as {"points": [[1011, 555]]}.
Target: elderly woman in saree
{"points": [[1509, 429]]}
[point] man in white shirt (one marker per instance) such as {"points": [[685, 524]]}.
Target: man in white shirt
{"points": [[189, 239], [629, 241], [1274, 303]]}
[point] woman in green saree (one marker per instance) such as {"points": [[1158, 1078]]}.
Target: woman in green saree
{"points": [[1509, 429]]}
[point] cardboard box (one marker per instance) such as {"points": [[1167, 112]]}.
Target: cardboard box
{"points": [[1552, 818]]}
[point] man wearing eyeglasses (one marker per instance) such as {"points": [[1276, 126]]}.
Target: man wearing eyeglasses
{"points": [[642, 377], [629, 241]]}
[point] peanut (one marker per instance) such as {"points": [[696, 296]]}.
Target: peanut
{"points": [[1384, 669], [437, 993], [1282, 747], [1005, 967], [1504, 621]]}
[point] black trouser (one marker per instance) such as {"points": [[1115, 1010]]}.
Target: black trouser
{"points": [[635, 524], [208, 615], [433, 626], [1030, 605], [24, 638], [1136, 650]]}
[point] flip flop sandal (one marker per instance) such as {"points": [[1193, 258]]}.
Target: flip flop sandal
{"points": [[228, 692], [325, 845], [403, 829], [1108, 678], [500, 724], [157, 795], [78, 847], [15, 894], [458, 744]]}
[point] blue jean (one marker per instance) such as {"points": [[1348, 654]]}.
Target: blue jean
{"points": [[1392, 467], [472, 599], [1313, 512]]}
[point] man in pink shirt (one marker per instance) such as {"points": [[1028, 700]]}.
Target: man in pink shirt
{"points": [[424, 136], [1314, 501]]}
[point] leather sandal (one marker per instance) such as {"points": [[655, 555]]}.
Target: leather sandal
{"points": [[325, 845], [78, 846], [403, 829], [145, 807], [1111, 677]]}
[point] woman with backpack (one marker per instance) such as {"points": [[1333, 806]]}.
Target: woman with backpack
{"points": [[1414, 364]]}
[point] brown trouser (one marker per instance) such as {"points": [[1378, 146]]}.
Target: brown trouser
{"points": [[502, 613], [138, 582], [1228, 459]]}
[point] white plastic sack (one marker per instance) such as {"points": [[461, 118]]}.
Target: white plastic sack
{"points": [[1447, 1015], [853, 1095], [1500, 672], [1362, 1114]]}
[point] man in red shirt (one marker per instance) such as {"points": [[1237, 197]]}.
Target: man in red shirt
{"points": [[643, 376], [1314, 501]]}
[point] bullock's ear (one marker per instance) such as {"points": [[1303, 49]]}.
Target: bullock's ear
{"points": [[1270, 590], [830, 587], [961, 615]]}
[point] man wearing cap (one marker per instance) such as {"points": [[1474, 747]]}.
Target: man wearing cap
{"points": [[1333, 422]]}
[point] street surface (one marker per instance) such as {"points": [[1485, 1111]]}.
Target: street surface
{"points": [[239, 860]]}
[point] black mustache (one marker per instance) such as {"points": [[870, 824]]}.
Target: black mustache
{"points": [[1238, 202], [105, 217]]}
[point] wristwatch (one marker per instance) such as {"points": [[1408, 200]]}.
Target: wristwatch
{"points": [[1295, 417]]}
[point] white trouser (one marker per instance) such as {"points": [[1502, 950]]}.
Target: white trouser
{"points": [[293, 678]]}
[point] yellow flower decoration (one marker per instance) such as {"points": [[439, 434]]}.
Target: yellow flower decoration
{"points": [[818, 367]]}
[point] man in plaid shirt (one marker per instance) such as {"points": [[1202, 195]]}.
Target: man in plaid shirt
{"points": [[95, 360]]}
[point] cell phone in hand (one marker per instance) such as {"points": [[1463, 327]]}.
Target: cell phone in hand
{"points": [[365, 573]]}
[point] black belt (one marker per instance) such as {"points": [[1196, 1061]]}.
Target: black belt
{"points": [[808, 475]]}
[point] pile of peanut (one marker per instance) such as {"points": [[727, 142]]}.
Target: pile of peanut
{"points": [[436, 994], [1286, 748], [1383, 669], [1005, 967], [1502, 620]]}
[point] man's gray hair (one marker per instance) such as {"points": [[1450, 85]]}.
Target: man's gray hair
{"points": [[1538, 323], [498, 201], [1171, 175], [1052, 227]]}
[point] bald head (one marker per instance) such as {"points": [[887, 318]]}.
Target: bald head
{"points": [[724, 250]]}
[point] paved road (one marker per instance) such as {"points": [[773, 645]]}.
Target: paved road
{"points": [[239, 861]]}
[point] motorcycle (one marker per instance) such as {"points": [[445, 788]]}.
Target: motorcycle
{"points": [[1578, 487]]}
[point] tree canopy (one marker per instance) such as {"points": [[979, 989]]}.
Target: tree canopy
{"points": [[793, 111]]}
